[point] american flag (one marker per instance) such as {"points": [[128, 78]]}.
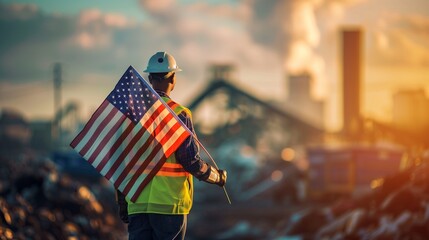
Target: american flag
{"points": [[130, 136]]}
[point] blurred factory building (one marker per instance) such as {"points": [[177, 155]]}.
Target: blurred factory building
{"points": [[410, 110], [301, 103]]}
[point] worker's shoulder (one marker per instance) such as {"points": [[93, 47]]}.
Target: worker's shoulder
{"points": [[184, 110], [179, 108]]}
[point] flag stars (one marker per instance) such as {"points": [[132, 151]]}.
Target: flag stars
{"points": [[133, 96]]}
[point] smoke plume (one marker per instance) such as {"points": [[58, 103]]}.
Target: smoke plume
{"points": [[296, 29]]}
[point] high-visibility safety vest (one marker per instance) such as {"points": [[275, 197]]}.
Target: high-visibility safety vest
{"points": [[171, 190]]}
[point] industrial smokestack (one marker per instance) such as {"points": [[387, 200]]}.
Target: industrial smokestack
{"points": [[351, 75]]}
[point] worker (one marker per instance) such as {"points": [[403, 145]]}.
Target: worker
{"points": [[160, 211]]}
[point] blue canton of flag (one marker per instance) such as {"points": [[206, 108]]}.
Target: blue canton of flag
{"points": [[132, 96]]}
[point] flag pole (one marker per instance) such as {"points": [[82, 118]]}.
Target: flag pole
{"points": [[186, 128], [208, 154]]}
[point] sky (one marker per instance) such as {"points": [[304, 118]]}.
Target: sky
{"points": [[95, 41]]}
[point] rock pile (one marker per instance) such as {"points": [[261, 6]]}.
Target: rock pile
{"points": [[38, 202], [399, 209]]}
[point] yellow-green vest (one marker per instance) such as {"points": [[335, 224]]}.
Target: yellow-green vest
{"points": [[171, 190]]}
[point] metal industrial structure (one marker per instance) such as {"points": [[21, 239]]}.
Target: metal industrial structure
{"points": [[224, 111], [247, 136]]}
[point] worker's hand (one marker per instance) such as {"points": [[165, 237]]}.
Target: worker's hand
{"points": [[122, 206], [222, 178], [123, 213], [215, 176]]}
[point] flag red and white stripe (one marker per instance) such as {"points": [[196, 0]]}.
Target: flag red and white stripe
{"points": [[130, 136]]}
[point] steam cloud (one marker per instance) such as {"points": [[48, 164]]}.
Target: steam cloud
{"points": [[294, 29]]}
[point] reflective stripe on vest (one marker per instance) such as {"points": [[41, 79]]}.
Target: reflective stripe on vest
{"points": [[168, 169], [171, 190]]}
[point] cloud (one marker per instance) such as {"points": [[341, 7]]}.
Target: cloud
{"points": [[162, 12], [296, 29], [250, 33], [94, 17], [238, 13], [158, 6], [18, 11], [100, 45], [29, 39], [400, 40], [284, 26], [96, 29], [90, 41], [257, 36], [199, 33]]}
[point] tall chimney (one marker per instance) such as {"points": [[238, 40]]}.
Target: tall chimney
{"points": [[351, 75]]}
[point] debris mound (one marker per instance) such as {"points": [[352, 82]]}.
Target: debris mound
{"points": [[39, 202], [399, 209]]}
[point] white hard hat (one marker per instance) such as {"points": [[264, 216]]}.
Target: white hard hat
{"points": [[162, 62]]}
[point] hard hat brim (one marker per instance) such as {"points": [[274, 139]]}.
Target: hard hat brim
{"points": [[158, 71]]}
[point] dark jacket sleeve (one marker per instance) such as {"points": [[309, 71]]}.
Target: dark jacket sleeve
{"points": [[188, 153]]}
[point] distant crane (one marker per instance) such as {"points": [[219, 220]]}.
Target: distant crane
{"points": [[66, 118], [56, 125]]}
